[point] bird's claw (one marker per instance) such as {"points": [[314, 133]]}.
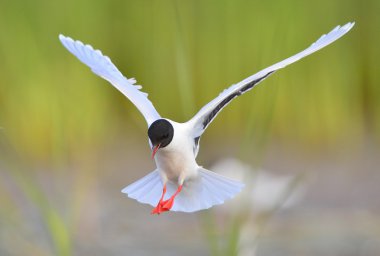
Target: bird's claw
{"points": [[161, 207], [168, 204], [164, 206]]}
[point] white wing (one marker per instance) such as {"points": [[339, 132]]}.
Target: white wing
{"points": [[205, 116], [103, 67]]}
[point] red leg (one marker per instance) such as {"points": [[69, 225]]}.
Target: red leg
{"points": [[168, 204], [158, 208]]}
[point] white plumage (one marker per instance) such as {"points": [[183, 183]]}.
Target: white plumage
{"points": [[178, 176], [202, 192], [323, 41], [103, 67]]}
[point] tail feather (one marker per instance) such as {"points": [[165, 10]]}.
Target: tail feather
{"points": [[151, 193], [210, 194], [202, 192], [146, 190], [140, 183], [219, 186]]}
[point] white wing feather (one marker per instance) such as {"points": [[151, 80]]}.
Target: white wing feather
{"points": [[205, 116], [103, 67]]}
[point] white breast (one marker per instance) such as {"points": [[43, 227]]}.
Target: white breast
{"points": [[176, 161]]}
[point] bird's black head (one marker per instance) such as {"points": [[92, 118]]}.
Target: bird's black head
{"points": [[161, 133]]}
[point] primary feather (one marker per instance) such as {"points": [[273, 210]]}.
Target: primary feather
{"points": [[207, 114], [103, 67]]}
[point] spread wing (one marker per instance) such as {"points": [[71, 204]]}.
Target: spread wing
{"points": [[103, 67], [207, 114]]}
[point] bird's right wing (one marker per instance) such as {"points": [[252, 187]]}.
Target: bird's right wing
{"points": [[207, 114], [103, 67]]}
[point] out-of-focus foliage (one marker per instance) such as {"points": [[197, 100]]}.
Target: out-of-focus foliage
{"points": [[56, 115], [184, 53]]}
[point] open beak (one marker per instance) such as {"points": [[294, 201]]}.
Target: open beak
{"points": [[154, 150]]}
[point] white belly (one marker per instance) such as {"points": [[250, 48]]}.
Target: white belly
{"points": [[176, 165], [176, 162]]}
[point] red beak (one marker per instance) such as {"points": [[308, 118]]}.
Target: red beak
{"points": [[155, 148]]}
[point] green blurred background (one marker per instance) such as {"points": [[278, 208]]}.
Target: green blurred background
{"points": [[70, 142]]}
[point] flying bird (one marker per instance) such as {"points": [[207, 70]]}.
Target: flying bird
{"points": [[179, 183]]}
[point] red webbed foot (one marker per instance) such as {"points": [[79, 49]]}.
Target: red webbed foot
{"points": [[158, 209], [168, 204], [164, 206]]}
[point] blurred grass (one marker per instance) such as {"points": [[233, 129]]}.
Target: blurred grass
{"points": [[55, 113], [26, 186], [50, 103], [216, 43]]}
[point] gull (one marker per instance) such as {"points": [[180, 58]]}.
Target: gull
{"points": [[179, 183]]}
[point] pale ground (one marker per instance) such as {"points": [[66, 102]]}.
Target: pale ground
{"points": [[337, 214]]}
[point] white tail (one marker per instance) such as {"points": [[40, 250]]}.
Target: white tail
{"points": [[206, 190]]}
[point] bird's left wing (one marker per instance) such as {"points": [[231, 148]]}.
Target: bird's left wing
{"points": [[207, 114], [103, 67]]}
